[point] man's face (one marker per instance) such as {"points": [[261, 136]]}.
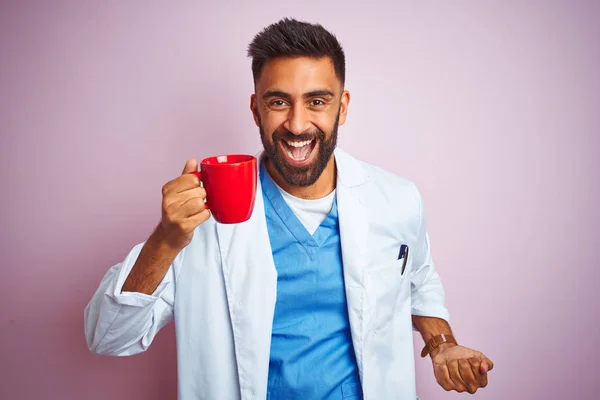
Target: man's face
{"points": [[298, 105]]}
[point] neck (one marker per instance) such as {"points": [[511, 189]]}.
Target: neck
{"points": [[321, 188]]}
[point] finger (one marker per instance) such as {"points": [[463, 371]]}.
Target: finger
{"points": [[464, 367], [172, 202], [197, 191], [459, 384], [182, 205], [443, 377], [197, 219], [188, 225], [191, 165], [486, 365], [180, 198], [475, 364], [180, 184], [191, 207], [483, 379]]}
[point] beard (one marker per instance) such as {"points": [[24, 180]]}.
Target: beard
{"points": [[305, 175]]}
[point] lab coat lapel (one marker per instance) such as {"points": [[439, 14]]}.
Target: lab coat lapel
{"points": [[251, 285], [354, 228]]}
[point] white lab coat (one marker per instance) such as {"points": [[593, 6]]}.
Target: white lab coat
{"points": [[221, 291]]}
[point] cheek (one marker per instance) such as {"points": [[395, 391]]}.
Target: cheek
{"points": [[325, 125], [272, 122]]}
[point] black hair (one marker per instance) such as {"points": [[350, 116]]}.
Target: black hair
{"points": [[292, 38]]}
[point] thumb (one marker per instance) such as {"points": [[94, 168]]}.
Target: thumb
{"points": [[191, 165], [486, 365]]}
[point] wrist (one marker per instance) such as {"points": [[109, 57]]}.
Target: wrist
{"points": [[159, 240], [441, 348], [438, 343]]}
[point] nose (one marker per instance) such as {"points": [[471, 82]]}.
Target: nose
{"points": [[298, 121]]}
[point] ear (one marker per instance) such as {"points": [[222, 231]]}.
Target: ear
{"points": [[254, 109], [344, 101]]}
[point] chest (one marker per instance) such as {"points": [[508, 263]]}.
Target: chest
{"points": [[309, 266]]}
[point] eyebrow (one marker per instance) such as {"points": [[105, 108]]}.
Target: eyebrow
{"points": [[282, 94]]}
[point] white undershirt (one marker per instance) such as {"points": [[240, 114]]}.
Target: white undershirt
{"points": [[310, 212]]}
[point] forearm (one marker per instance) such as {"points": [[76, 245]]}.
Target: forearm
{"points": [[151, 265], [430, 327]]}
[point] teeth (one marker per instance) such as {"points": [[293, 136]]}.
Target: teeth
{"points": [[303, 143], [299, 144], [289, 153]]}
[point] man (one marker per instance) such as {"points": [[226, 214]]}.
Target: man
{"points": [[317, 295]]}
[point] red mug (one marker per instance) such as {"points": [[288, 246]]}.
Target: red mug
{"points": [[230, 184]]}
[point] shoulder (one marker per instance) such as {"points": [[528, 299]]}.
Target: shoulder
{"points": [[392, 202], [389, 181], [380, 182]]}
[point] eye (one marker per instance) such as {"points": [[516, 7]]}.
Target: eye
{"points": [[277, 103], [317, 102]]}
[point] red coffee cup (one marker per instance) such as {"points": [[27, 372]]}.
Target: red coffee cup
{"points": [[230, 184]]}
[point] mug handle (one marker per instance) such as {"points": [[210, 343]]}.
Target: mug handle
{"points": [[199, 175]]}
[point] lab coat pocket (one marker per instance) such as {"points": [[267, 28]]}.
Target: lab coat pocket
{"points": [[387, 292]]}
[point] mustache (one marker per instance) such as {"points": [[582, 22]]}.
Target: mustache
{"points": [[289, 136]]}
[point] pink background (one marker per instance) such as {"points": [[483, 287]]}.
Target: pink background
{"points": [[491, 107]]}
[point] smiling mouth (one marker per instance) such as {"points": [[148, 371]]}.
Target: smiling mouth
{"points": [[298, 152]]}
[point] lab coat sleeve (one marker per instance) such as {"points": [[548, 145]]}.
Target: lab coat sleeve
{"points": [[122, 324], [427, 292]]}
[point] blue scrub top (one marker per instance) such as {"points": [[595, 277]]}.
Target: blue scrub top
{"points": [[312, 356]]}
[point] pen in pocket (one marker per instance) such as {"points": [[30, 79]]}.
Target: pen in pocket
{"points": [[404, 256]]}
